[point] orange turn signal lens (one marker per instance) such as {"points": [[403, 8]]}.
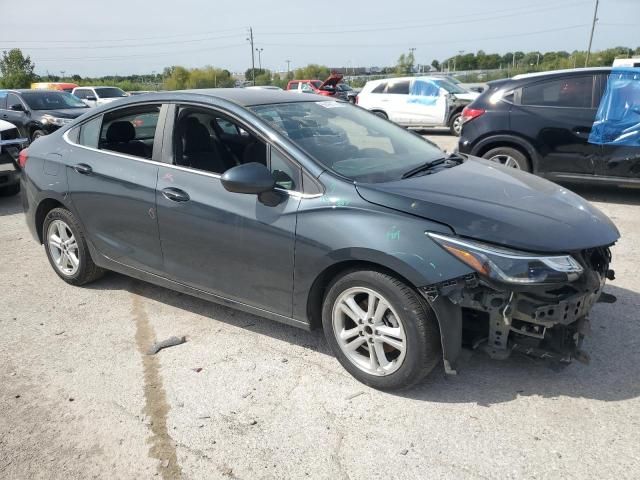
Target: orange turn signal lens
{"points": [[468, 258]]}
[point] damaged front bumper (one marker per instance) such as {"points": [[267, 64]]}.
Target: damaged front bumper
{"points": [[543, 321]]}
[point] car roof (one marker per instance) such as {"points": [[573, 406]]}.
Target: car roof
{"points": [[250, 97], [565, 71]]}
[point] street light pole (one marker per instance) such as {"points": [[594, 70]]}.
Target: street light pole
{"points": [[260, 50], [593, 27]]}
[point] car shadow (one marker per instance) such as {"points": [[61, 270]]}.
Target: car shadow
{"points": [[607, 194], [10, 205], [610, 376]]}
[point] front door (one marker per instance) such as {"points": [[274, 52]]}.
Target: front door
{"points": [[20, 118], [557, 116], [112, 173], [229, 244], [426, 103], [621, 149]]}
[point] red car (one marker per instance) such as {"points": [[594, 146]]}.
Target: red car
{"points": [[326, 88]]}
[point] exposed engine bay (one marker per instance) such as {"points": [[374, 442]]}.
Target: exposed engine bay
{"points": [[542, 321]]}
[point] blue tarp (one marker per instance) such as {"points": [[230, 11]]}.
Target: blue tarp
{"points": [[425, 92], [618, 118]]}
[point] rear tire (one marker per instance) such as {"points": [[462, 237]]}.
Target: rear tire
{"points": [[455, 124], [67, 248], [392, 344], [509, 157]]}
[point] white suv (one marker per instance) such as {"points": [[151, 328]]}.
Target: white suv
{"points": [[417, 102], [95, 96]]}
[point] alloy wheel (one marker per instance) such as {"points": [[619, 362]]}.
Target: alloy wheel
{"points": [[63, 248], [506, 160], [457, 126], [368, 331]]}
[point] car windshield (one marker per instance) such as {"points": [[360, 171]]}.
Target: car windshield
{"points": [[350, 141], [51, 100], [450, 87], [110, 92]]}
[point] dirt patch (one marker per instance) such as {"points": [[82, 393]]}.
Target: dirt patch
{"points": [[162, 446]]}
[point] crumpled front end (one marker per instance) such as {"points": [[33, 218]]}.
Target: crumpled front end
{"points": [[542, 321]]}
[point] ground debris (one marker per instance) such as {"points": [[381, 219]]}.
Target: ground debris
{"points": [[404, 452], [169, 342]]}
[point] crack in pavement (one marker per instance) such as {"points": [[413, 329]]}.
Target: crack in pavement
{"points": [[162, 446]]}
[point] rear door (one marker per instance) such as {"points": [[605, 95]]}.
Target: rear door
{"points": [[556, 116], [112, 173], [395, 101], [623, 160]]}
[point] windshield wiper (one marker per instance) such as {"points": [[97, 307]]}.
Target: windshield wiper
{"points": [[425, 167]]}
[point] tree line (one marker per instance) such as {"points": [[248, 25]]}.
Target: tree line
{"points": [[18, 71]]}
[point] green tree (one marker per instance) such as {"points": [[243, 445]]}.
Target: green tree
{"points": [[16, 69], [405, 64], [312, 72], [436, 64]]}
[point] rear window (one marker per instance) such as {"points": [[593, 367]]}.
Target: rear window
{"points": [[110, 92], [400, 88], [575, 92], [293, 86], [379, 88]]}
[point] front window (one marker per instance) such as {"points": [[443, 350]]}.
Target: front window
{"points": [[350, 141], [450, 87], [50, 100], [110, 92]]}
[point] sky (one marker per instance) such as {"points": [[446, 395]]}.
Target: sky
{"points": [[111, 37]]}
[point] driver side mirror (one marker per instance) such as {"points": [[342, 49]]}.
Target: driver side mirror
{"points": [[91, 98], [253, 178], [17, 107]]}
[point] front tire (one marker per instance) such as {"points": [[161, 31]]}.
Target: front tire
{"points": [[36, 134], [67, 248], [381, 114], [380, 330]]}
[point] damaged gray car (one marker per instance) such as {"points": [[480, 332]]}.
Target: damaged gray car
{"points": [[316, 213]]}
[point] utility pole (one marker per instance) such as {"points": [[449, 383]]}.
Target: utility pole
{"points": [[593, 27], [260, 50], [253, 57], [288, 67]]}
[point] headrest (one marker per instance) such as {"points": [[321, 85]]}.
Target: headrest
{"points": [[121, 132]]}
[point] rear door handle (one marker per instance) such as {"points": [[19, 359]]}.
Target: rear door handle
{"points": [[83, 169], [175, 194]]}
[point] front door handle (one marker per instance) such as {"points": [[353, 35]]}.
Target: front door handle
{"points": [[83, 169], [175, 194]]}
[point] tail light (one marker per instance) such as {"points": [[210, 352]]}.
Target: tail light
{"points": [[23, 157], [356, 99], [469, 114]]}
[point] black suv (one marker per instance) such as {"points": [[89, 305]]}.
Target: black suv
{"points": [[541, 123], [39, 112]]}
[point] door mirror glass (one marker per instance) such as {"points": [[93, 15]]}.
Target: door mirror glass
{"points": [[252, 178], [17, 107]]}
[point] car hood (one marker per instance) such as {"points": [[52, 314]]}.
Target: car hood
{"points": [[64, 113], [332, 81], [484, 201], [471, 96]]}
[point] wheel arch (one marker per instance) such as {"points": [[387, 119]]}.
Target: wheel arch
{"points": [[44, 207], [325, 278], [520, 144]]}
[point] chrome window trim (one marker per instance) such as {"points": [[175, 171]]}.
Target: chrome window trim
{"points": [[291, 193]]}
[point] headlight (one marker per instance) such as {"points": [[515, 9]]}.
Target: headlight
{"points": [[510, 266], [51, 120]]}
